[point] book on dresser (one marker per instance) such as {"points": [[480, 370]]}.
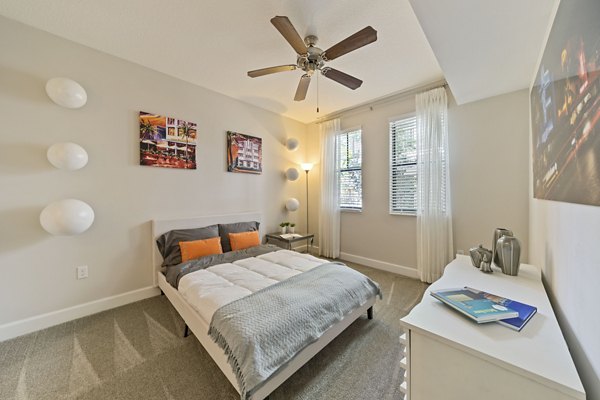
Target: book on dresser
{"points": [[525, 310], [474, 304]]}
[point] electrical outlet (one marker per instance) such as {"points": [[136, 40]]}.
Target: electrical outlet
{"points": [[459, 251], [82, 272]]}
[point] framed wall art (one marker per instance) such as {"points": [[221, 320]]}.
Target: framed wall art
{"points": [[167, 142], [244, 153], [565, 108]]}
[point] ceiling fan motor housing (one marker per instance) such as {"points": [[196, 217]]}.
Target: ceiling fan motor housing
{"points": [[313, 59]]}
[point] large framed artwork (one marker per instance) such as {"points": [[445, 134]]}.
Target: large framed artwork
{"points": [[565, 108], [244, 153], [167, 142]]}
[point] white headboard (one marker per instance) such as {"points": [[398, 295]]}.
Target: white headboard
{"points": [[165, 225]]}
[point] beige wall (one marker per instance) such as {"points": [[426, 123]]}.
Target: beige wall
{"points": [[564, 242], [38, 270], [374, 233], [488, 143]]}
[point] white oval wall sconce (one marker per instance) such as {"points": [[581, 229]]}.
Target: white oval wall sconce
{"points": [[292, 204], [66, 92], [67, 217], [292, 174], [292, 144], [67, 155]]}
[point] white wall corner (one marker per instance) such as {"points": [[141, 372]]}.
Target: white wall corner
{"points": [[43, 321]]}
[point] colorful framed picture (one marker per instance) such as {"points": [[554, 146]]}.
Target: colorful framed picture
{"points": [[565, 108], [244, 153], [167, 142]]}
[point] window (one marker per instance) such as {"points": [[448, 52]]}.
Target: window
{"points": [[403, 166], [349, 169]]}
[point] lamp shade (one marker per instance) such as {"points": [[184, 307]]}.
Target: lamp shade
{"points": [[292, 144], [292, 204], [66, 92], [69, 156], [306, 166], [292, 174], [67, 217]]}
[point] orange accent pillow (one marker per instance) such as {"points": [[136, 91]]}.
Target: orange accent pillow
{"points": [[200, 248], [243, 240]]}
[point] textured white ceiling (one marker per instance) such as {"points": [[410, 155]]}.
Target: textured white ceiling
{"points": [[486, 48], [212, 43]]}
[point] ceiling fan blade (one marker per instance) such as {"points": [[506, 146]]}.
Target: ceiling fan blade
{"points": [[289, 33], [341, 77], [302, 88], [356, 41], [271, 70]]}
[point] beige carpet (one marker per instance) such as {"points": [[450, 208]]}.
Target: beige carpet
{"points": [[137, 352]]}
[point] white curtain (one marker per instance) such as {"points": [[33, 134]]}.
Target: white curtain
{"points": [[329, 207], [434, 216]]}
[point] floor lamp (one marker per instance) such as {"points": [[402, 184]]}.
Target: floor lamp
{"points": [[306, 167]]}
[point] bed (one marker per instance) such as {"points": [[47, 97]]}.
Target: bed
{"points": [[198, 323]]}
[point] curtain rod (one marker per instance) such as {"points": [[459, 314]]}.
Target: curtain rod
{"points": [[383, 100]]}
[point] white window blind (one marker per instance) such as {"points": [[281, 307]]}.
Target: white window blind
{"points": [[349, 161], [403, 166]]}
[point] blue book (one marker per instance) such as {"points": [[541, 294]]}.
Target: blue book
{"points": [[525, 311], [474, 304]]}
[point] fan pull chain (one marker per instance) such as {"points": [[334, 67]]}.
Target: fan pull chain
{"points": [[318, 92]]}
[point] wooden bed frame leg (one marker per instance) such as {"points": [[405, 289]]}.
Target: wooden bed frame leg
{"points": [[186, 331], [370, 312]]}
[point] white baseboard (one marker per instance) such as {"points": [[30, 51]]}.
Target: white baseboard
{"points": [[382, 265], [32, 324]]}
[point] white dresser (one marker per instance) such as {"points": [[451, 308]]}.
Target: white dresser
{"points": [[449, 357]]}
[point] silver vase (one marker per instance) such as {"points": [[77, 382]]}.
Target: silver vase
{"points": [[486, 261], [476, 256], [508, 249], [498, 233]]}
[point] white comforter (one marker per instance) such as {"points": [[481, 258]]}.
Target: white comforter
{"points": [[209, 289]]}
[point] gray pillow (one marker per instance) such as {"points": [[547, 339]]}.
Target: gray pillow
{"points": [[168, 243], [236, 227]]}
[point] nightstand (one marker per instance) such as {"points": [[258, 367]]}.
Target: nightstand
{"points": [[287, 241]]}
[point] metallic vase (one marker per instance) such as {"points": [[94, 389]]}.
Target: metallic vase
{"points": [[498, 233], [476, 256], [486, 261], [508, 249]]}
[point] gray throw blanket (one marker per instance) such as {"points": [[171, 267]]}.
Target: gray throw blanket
{"points": [[262, 332]]}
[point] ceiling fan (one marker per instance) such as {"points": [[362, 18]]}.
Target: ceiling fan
{"points": [[311, 59]]}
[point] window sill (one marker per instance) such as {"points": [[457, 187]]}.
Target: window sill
{"points": [[350, 210], [404, 214]]}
